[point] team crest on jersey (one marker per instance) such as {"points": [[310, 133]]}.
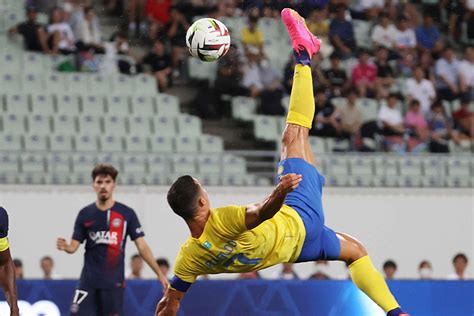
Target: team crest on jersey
{"points": [[280, 170], [116, 222]]}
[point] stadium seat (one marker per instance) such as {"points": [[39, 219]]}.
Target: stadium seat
{"points": [[17, 104], [132, 179], [36, 142], [145, 85], [111, 143], [167, 105], [460, 167], [83, 163], [60, 142], [243, 108], [434, 167], [85, 143], [9, 162], [32, 82], [33, 163], [115, 125], [135, 143], [77, 83], [13, 124], [337, 145], [234, 179], [39, 124], [56, 83], [89, 125], [124, 84], [209, 164], [410, 181], [336, 180], [81, 178], [10, 82], [200, 70], [318, 144], [93, 105], [211, 144], [459, 182], [156, 179], [10, 62], [139, 126], [134, 164], [61, 178], [31, 178], [99, 84], [386, 166], [58, 163], [233, 165], [42, 104], [209, 179], [10, 142], [8, 177], [158, 165], [410, 166], [186, 144], [361, 167], [68, 104], [110, 158], [161, 144], [189, 125], [143, 106], [385, 181], [65, 125], [266, 128], [432, 182], [118, 105], [360, 181], [337, 166], [183, 164], [164, 126]]}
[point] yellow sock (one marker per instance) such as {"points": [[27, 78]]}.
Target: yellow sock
{"points": [[301, 111], [371, 282]]}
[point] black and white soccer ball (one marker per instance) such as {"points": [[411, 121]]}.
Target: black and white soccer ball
{"points": [[208, 39]]}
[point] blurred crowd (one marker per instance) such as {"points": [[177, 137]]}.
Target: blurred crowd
{"points": [[286, 272]]}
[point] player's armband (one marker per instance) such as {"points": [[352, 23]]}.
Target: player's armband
{"points": [[179, 285], [4, 244]]}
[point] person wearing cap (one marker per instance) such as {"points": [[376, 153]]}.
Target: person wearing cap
{"points": [[35, 37]]}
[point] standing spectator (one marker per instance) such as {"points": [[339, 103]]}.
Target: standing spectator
{"points": [[417, 127], [336, 77], [164, 266], [447, 74], [251, 36], [405, 38], [466, 68], [136, 267], [47, 266], [384, 33], [318, 23], [385, 74], [287, 272], [136, 16], [19, 273], [35, 37], [427, 35], [364, 75], [341, 32], [158, 15], [327, 122], [321, 272], [425, 270], [460, 262], [351, 116], [61, 38], [421, 89], [390, 118], [160, 64], [389, 269], [89, 35], [176, 31]]}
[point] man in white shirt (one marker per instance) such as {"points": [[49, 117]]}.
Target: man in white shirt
{"points": [[460, 265], [421, 89], [405, 37], [447, 75], [466, 69], [384, 33], [390, 119]]}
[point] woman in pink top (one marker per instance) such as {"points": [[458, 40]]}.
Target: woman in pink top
{"points": [[417, 126]]}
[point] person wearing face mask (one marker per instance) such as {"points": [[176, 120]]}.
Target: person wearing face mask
{"points": [[425, 270]]}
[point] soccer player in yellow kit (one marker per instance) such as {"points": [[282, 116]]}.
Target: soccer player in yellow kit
{"points": [[288, 226]]}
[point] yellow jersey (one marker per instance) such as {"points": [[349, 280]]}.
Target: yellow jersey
{"points": [[227, 246], [251, 38]]}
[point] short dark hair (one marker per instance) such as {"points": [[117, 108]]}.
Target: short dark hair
{"points": [[104, 169], [460, 256], [162, 262], [414, 102], [17, 263], [182, 196], [424, 262], [47, 258], [390, 264]]}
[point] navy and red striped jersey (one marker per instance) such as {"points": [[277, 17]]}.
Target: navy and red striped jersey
{"points": [[105, 233]]}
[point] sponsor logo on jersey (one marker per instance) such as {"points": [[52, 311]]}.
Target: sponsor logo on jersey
{"points": [[104, 237]]}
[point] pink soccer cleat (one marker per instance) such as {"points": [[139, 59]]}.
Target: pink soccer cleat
{"points": [[301, 37]]}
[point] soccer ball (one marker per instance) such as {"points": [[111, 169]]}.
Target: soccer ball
{"points": [[208, 39]]}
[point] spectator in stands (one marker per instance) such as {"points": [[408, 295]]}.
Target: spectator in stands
{"points": [[327, 122], [425, 270], [321, 272], [351, 116], [176, 31], [416, 126], [249, 275], [164, 266], [318, 23], [390, 117], [464, 119], [364, 75], [251, 36], [35, 37], [121, 47], [341, 32], [454, 11], [252, 80], [19, 273], [61, 39], [136, 267], [158, 15], [447, 75], [272, 90], [428, 36], [385, 73], [287, 272], [427, 64], [160, 63], [466, 69], [421, 89], [47, 266], [89, 35], [136, 16], [460, 262], [336, 77], [371, 8], [389, 269], [405, 38], [384, 33]]}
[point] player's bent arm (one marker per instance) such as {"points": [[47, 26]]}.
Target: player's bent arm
{"points": [[70, 248], [145, 252], [260, 212], [169, 304], [7, 281]]}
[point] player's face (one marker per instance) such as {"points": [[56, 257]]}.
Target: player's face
{"points": [[203, 194], [104, 187]]}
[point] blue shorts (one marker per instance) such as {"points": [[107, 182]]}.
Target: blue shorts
{"points": [[321, 242], [91, 301]]}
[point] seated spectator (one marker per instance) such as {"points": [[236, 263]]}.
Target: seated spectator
{"points": [[441, 129], [119, 46], [405, 38], [384, 33], [61, 39], [47, 266], [460, 262], [19, 273], [341, 33], [252, 79], [466, 69], [158, 15], [176, 32], [464, 119], [327, 122], [136, 268], [421, 89], [336, 77], [417, 127], [318, 23], [351, 116], [364, 75], [160, 63], [427, 64], [287, 272], [136, 16], [321, 271], [389, 269], [425, 270], [447, 75], [272, 90], [35, 37], [164, 266], [371, 8], [89, 35], [405, 63], [428, 36], [390, 118], [385, 73], [251, 36]]}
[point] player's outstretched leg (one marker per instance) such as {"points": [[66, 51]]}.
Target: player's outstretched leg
{"points": [[365, 276], [302, 107]]}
